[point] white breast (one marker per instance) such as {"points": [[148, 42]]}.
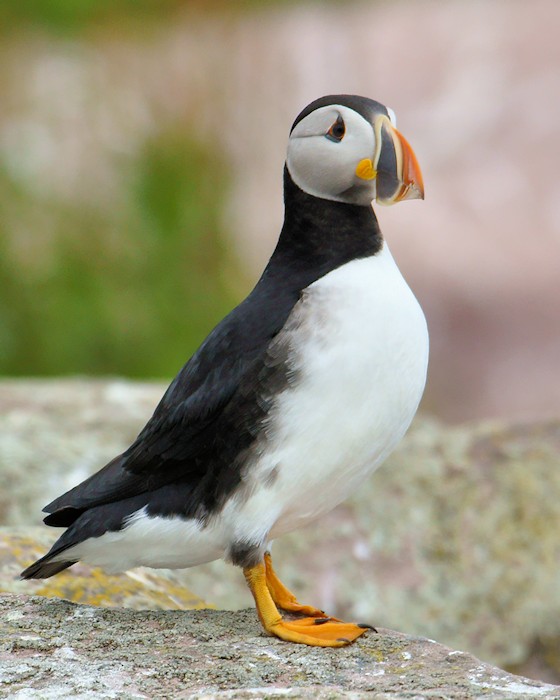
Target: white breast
{"points": [[359, 350]]}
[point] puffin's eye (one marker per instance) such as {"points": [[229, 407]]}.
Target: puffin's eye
{"points": [[337, 130]]}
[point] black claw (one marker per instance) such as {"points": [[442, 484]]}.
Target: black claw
{"points": [[321, 620], [343, 639], [364, 626]]}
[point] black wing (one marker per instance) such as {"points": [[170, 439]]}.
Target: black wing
{"points": [[205, 422]]}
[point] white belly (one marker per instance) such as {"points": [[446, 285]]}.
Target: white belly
{"points": [[359, 348]]}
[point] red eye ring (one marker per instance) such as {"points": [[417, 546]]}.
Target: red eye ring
{"points": [[337, 130]]}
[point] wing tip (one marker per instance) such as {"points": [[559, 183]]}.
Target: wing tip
{"points": [[63, 517]]}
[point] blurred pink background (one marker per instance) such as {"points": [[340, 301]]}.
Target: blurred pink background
{"points": [[476, 89]]}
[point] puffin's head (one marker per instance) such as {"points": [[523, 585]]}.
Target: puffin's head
{"points": [[347, 149]]}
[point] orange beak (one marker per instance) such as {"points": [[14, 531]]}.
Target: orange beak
{"points": [[412, 183], [394, 166]]}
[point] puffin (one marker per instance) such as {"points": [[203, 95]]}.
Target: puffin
{"points": [[291, 401]]}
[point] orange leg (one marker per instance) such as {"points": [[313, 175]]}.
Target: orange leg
{"points": [[283, 597], [315, 631]]}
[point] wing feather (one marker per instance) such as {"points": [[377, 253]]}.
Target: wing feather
{"points": [[209, 414]]}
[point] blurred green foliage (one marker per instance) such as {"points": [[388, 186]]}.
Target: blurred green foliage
{"points": [[130, 290], [74, 15], [87, 287], [82, 15]]}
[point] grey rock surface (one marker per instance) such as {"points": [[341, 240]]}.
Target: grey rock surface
{"points": [[455, 538], [55, 649]]}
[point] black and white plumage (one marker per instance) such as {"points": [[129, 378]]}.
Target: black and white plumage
{"points": [[296, 396]]}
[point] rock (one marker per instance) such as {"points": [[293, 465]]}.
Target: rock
{"points": [[455, 538], [139, 589], [54, 648]]}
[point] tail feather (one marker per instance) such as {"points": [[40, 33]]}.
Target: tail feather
{"points": [[45, 568], [53, 562], [82, 525]]}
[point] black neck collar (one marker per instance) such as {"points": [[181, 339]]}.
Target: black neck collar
{"points": [[320, 235]]}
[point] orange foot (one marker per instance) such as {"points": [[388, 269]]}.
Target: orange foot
{"points": [[315, 630]]}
